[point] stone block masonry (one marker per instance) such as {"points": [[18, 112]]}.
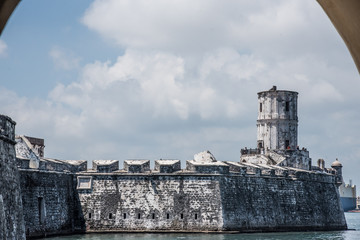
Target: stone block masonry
{"points": [[195, 202], [11, 211], [50, 203], [152, 203]]}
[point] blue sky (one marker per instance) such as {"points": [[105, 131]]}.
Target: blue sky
{"points": [[58, 26], [116, 79]]}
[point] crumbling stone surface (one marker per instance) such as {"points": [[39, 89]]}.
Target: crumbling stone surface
{"points": [[152, 202], [204, 157], [25, 151]]}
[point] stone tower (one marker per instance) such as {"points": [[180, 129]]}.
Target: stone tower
{"points": [[277, 121]]}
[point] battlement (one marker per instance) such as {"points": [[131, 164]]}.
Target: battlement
{"points": [[105, 165], [173, 167], [167, 166], [7, 129], [204, 163]]}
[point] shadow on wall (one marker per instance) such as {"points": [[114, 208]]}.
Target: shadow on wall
{"points": [[280, 204], [51, 203]]}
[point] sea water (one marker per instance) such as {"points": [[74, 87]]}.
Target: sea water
{"points": [[353, 221]]}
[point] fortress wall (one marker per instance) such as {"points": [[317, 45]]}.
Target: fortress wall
{"points": [[280, 204], [11, 211], [49, 202], [221, 202], [152, 203]]}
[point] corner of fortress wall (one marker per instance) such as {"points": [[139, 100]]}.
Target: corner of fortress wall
{"points": [[11, 211]]}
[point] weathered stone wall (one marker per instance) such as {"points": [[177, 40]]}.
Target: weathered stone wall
{"points": [[49, 202], [211, 202], [293, 158], [11, 212], [152, 203], [280, 204]]}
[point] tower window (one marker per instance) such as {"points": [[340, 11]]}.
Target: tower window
{"points": [[139, 216], [195, 216], [153, 216], [182, 216], [167, 216], [110, 215], [287, 144], [89, 215], [124, 215], [287, 106], [260, 107]]}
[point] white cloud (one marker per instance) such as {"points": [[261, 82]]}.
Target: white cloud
{"points": [[193, 26], [153, 82], [64, 60], [3, 48], [189, 27]]}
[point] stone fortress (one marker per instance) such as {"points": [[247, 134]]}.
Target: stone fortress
{"points": [[273, 187]]}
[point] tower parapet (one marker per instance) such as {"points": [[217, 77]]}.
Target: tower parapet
{"points": [[277, 121]]}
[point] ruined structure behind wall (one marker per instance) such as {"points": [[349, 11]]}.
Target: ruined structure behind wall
{"points": [[11, 214]]}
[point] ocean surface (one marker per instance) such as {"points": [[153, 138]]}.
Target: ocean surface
{"points": [[353, 221]]}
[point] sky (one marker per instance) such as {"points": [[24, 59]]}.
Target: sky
{"points": [[120, 79]]}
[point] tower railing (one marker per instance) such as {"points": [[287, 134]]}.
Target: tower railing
{"points": [[246, 151]]}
